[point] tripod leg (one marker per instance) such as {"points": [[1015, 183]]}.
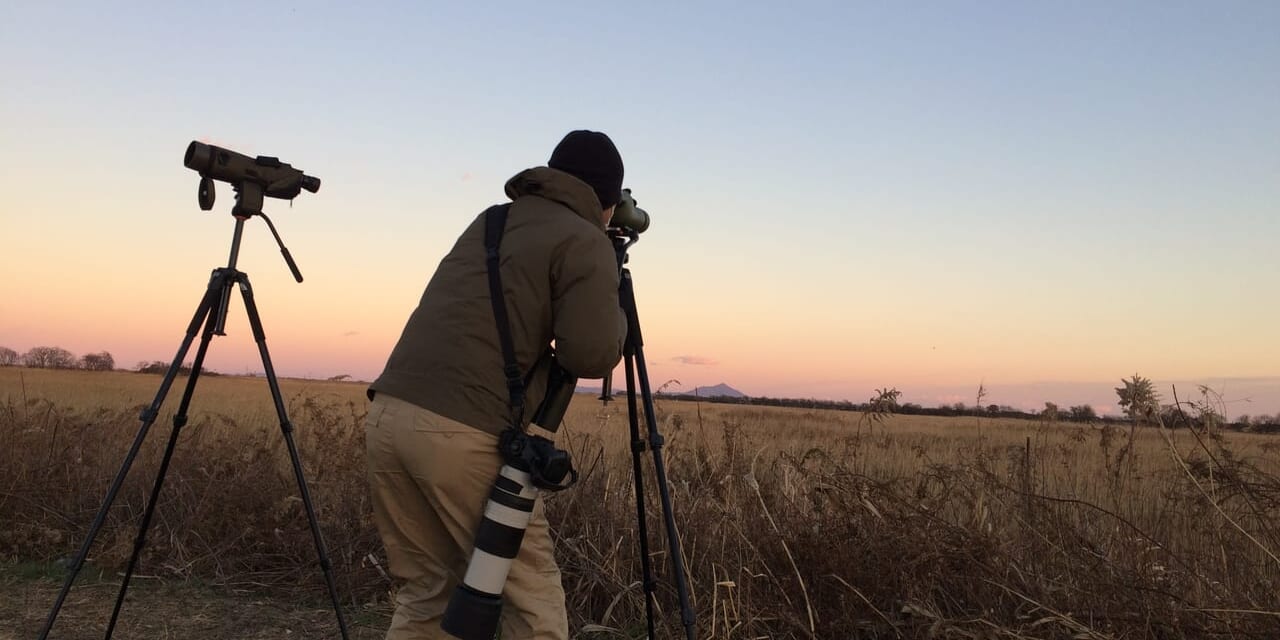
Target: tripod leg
{"points": [[626, 295], [148, 418], [637, 447], [659, 467], [286, 428], [179, 421]]}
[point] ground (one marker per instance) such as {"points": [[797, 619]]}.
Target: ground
{"points": [[162, 610]]}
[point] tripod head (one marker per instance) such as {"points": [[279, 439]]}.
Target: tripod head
{"points": [[252, 179], [623, 239]]}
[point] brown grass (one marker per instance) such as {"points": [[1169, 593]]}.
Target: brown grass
{"points": [[795, 523]]}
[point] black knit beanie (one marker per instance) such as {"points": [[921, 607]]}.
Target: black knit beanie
{"points": [[591, 157]]}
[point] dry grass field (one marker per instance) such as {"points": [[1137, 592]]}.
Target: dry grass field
{"points": [[795, 523]]}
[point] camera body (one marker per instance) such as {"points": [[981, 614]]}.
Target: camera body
{"points": [[546, 465]]}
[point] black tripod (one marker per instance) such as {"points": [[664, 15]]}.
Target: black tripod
{"points": [[212, 313], [634, 366]]}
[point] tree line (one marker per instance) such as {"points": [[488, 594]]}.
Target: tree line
{"points": [[1137, 397], [57, 358], [1080, 413]]}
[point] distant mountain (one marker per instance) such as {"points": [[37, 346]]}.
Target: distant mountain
{"points": [[718, 391], [721, 390]]}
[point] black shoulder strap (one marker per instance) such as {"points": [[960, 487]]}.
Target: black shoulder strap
{"points": [[495, 221]]}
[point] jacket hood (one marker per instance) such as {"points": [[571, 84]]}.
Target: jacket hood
{"points": [[559, 186]]}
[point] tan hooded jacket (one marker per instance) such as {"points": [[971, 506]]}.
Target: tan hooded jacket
{"points": [[560, 283]]}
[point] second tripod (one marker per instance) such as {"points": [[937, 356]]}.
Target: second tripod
{"points": [[637, 373], [211, 313]]}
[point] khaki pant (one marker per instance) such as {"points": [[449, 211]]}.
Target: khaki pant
{"points": [[430, 477]]}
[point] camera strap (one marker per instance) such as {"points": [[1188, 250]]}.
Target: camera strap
{"points": [[495, 222], [535, 454]]}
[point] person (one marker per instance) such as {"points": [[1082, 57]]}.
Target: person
{"points": [[442, 400]]}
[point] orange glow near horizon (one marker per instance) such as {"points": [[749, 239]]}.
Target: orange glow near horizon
{"points": [[1010, 218]]}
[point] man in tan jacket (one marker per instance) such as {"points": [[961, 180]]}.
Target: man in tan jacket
{"points": [[440, 403]]}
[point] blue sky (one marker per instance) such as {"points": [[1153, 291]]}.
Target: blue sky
{"points": [[846, 196]]}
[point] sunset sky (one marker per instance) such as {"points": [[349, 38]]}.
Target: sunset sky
{"points": [[1035, 197]]}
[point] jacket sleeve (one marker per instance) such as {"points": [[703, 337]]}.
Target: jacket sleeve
{"points": [[587, 322]]}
